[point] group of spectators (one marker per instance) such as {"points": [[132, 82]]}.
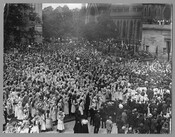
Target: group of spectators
{"points": [[42, 88]]}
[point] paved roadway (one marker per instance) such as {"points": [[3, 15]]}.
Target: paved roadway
{"points": [[69, 129]]}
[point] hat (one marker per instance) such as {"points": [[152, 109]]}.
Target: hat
{"points": [[150, 115], [130, 128], [93, 106], [159, 98], [168, 91], [123, 127], [134, 110], [120, 106]]}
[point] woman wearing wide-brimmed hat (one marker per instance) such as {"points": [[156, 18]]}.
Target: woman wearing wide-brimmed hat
{"points": [[20, 115], [25, 127], [35, 128], [43, 122], [49, 125], [60, 124]]}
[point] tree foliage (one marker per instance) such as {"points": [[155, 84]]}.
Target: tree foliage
{"points": [[16, 18], [65, 22], [105, 28], [57, 23]]}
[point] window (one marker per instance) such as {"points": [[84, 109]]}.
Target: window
{"points": [[92, 11], [149, 12], [135, 9], [168, 44], [31, 16], [164, 50], [126, 9], [120, 9], [147, 48], [115, 10], [139, 9], [145, 11]]}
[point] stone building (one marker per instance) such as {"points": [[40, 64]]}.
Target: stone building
{"points": [[146, 27], [157, 29], [94, 10], [128, 19]]}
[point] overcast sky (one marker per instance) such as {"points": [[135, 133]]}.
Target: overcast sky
{"points": [[70, 5]]}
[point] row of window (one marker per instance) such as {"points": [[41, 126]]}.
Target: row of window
{"points": [[165, 49], [126, 9], [122, 9], [146, 12]]}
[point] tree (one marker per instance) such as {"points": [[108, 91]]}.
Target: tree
{"points": [[16, 18], [104, 29], [57, 23], [79, 22], [90, 31], [47, 24]]}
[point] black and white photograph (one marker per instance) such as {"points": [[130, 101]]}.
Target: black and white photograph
{"points": [[87, 68]]}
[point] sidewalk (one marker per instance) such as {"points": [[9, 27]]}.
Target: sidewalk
{"points": [[69, 129]]}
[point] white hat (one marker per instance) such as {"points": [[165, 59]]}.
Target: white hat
{"points": [[129, 84], [155, 89], [150, 115], [123, 127], [159, 98], [168, 91], [130, 128], [120, 106]]}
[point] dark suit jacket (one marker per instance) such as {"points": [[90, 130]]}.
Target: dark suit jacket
{"points": [[97, 120]]}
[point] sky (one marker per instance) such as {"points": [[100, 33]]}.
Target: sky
{"points": [[70, 5]]}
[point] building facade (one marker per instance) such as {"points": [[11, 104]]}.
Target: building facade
{"points": [[147, 27], [157, 30], [128, 19], [94, 10]]}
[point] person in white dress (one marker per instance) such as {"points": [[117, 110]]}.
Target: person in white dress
{"points": [[73, 106], [60, 124], [66, 105], [54, 114], [80, 107], [43, 123], [49, 125], [16, 110], [25, 128], [33, 111], [35, 128], [20, 115], [114, 129]]}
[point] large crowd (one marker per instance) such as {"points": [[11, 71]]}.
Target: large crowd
{"points": [[42, 88]]}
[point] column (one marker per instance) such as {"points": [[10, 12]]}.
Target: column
{"points": [[122, 29]]}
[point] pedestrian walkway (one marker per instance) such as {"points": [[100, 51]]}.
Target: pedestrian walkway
{"points": [[69, 129]]}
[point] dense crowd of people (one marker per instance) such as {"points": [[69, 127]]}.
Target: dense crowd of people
{"points": [[42, 88]]}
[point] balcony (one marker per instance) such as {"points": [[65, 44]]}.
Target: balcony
{"points": [[156, 27]]}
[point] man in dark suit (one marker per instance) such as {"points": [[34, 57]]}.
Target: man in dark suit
{"points": [[92, 114], [103, 116], [87, 104], [70, 102], [96, 122]]}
